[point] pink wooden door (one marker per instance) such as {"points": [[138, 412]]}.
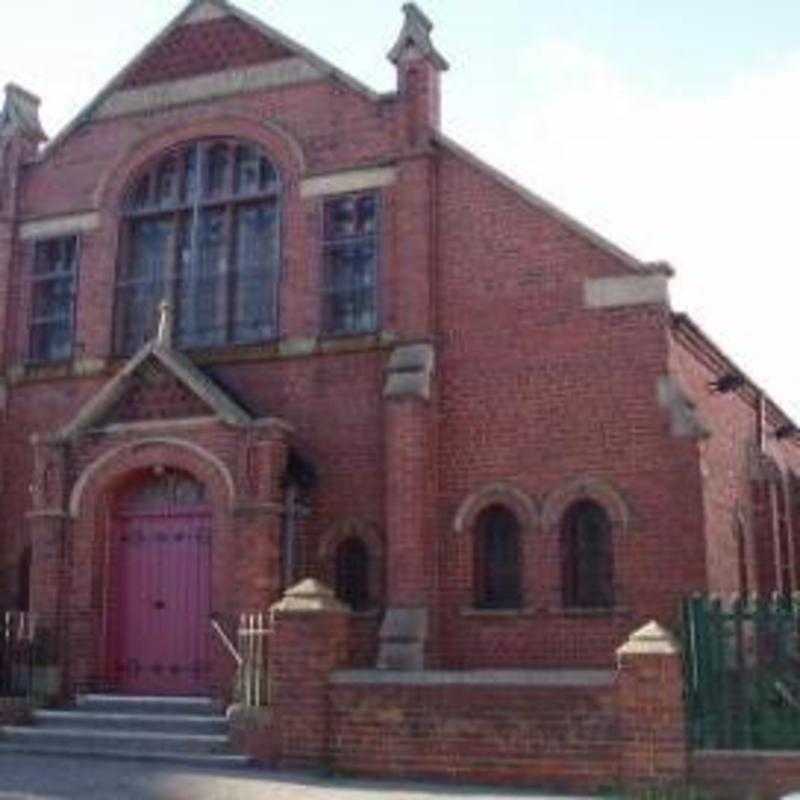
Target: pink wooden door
{"points": [[163, 600]]}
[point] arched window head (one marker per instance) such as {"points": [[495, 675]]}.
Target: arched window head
{"points": [[352, 573], [587, 557], [201, 229], [497, 559]]}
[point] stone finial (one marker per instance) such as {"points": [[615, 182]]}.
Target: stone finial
{"points": [[652, 639], [309, 596], [415, 40], [164, 335], [20, 114]]}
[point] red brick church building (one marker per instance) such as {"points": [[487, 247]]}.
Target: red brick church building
{"points": [[261, 323]]}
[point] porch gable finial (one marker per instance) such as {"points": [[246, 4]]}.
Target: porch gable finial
{"points": [[164, 335]]}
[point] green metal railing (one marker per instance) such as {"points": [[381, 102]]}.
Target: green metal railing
{"points": [[743, 672]]}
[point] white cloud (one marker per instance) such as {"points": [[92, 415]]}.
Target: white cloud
{"points": [[708, 182]]}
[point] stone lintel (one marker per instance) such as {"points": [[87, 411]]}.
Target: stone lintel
{"points": [[630, 290], [348, 181], [59, 226]]}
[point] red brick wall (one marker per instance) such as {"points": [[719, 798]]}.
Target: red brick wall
{"points": [[537, 391], [727, 460], [530, 388], [564, 738]]}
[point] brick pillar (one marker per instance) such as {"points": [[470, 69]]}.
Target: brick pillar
{"points": [[410, 560], [650, 702], [49, 565], [258, 514], [309, 641]]}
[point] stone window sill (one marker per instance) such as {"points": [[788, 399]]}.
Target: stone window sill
{"points": [[369, 613], [31, 371], [615, 611], [497, 613]]}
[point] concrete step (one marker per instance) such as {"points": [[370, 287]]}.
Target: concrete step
{"points": [[132, 704], [101, 739], [182, 730], [212, 761], [156, 723]]}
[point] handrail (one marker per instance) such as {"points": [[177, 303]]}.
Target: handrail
{"points": [[218, 629]]}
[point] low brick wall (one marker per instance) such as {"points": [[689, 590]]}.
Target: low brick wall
{"points": [[746, 774], [250, 732], [15, 711], [546, 729]]}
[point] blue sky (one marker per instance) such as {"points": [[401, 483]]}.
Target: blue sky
{"points": [[671, 127]]}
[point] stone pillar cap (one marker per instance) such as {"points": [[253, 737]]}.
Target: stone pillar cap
{"points": [[309, 596], [20, 113], [652, 639], [415, 38]]}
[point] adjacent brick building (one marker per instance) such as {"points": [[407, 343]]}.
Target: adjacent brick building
{"points": [[261, 323]]}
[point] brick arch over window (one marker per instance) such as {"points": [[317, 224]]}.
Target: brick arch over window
{"points": [[586, 488], [502, 494], [339, 544], [587, 517], [497, 557], [587, 556], [284, 150], [201, 228]]}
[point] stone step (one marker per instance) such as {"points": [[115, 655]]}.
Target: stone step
{"points": [[209, 760], [132, 704], [156, 723], [100, 739]]}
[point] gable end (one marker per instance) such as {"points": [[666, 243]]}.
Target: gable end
{"points": [[209, 46]]}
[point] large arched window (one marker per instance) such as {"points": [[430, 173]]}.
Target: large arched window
{"points": [[497, 559], [352, 573], [201, 229], [587, 557]]}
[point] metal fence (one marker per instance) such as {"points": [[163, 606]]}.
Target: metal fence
{"points": [[17, 653], [253, 674], [251, 683], [743, 672]]}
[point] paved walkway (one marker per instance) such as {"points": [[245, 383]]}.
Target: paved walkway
{"points": [[38, 778]]}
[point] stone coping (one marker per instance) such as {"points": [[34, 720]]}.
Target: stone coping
{"points": [[565, 678], [734, 754]]}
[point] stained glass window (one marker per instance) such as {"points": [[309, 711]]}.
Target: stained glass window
{"points": [[497, 559], [202, 231], [351, 264], [587, 557], [55, 269]]}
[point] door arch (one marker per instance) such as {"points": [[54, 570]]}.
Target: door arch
{"points": [[161, 587]]}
